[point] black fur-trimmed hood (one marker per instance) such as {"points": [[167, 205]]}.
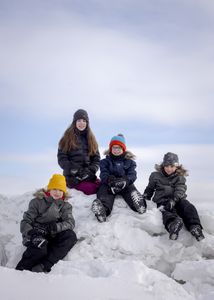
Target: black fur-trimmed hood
{"points": [[180, 170], [41, 193], [128, 154]]}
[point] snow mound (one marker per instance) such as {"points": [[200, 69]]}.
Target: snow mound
{"points": [[128, 257]]}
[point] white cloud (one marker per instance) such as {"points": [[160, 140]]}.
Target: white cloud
{"points": [[57, 67]]}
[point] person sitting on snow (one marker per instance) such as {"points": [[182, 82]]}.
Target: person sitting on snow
{"points": [[117, 174], [168, 188], [47, 227], [78, 155]]}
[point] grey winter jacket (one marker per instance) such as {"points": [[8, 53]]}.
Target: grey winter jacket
{"points": [[163, 187], [44, 209]]}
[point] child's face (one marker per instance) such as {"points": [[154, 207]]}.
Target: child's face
{"points": [[170, 169], [81, 124], [116, 150], [56, 194]]}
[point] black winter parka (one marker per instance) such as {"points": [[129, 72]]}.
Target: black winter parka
{"points": [[78, 158], [163, 187], [123, 166]]}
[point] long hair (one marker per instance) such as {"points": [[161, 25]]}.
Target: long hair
{"points": [[69, 140]]}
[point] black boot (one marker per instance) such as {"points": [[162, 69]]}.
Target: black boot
{"points": [[38, 268], [174, 227], [138, 202], [99, 210], [197, 232]]}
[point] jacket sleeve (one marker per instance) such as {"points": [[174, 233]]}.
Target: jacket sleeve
{"points": [[64, 162], [29, 217], [94, 162], [180, 188], [149, 191], [104, 171], [131, 173], [67, 219]]}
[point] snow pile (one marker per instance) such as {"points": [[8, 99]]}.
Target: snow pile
{"points": [[128, 257]]}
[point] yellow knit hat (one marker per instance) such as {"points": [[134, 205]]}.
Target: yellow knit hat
{"points": [[58, 182]]}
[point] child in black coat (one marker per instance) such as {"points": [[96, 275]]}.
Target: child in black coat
{"points": [[117, 174], [167, 188], [78, 155]]}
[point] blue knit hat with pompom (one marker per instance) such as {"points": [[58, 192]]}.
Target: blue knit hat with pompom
{"points": [[118, 140]]}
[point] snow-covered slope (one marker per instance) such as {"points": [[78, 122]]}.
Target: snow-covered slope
{"points": [[128, 257]]}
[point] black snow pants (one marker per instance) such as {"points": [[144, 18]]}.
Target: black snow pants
{"points": [[183, 209], [56, 249], [105, 195]]}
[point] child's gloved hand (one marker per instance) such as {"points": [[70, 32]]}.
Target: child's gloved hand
{"points": [[84, 173], [37, 239], [170, 205], [121, 182], [73, 171], [51, 227], [39, 229], [111, 181], [119, 185]]}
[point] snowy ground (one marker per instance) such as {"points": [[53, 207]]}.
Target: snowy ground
{"points": [[127, 258]]}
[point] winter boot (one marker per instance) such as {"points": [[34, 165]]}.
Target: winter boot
{"points": [[196, 231], [174, 227], [38, 268], [138, 202], [99, 210]]}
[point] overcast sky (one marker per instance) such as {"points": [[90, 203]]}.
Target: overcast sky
{"points": [[143, 68]]}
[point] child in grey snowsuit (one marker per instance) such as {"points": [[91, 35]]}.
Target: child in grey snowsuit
{"points": [[167, 188], [117, 174], [47, 227]]}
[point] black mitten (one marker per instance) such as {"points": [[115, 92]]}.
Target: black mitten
{"points": [[40, 229], [118, 186], [121, 182], [111, 181], [82, 174], [169, 205], [37, 239], [73, 171], [51, 227]]}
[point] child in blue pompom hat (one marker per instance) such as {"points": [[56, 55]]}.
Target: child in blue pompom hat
{"points": [[117, 174]]}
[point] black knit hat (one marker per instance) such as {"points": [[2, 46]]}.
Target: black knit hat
{"points": [[170, 159], [81, 114]]}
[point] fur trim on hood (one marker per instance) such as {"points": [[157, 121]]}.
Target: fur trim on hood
{"points": [[41, 193], [128, 154], [180, 170]]}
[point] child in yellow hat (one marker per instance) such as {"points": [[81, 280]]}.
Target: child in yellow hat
{"points": [[47, 227]]}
